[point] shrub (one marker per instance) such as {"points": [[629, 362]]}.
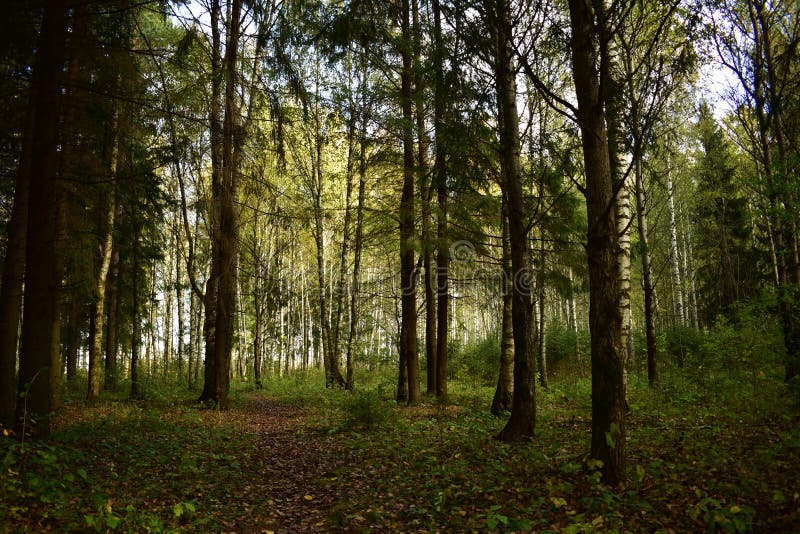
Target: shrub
{"points": [[682, 343], [561, 343], [367, 410], [476, 362]]}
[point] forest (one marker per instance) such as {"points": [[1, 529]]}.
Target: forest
{"points": [[400, 266]]}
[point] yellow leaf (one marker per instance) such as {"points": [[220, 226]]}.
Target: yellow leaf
{"points": [[5, 432], [308, 497], [558, 502], [735, 509], [462, 513]]}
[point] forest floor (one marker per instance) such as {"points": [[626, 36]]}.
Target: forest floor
{"points": [[296, 458]]}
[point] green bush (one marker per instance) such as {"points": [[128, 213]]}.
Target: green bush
{"points": [[476, 362], [682, 343], [561, 343], [367, 410]]}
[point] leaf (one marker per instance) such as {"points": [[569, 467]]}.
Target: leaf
{"points": [[594, 463], [113, 521], [308, 497], [82, 474], [558, 502]]}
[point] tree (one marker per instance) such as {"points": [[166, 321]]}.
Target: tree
{"points": [[440, 180], [522, 422], [504, 392], [38, 365], [409, 356], [590, 24]]}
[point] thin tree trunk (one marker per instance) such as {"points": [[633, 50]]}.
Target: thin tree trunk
{"points": [[13, 275], [73, 335], [673, 235], [521, 424], [504, 392], [136, 334], [180, 349], [541, 349], [408, 284], [100, 294], [612, 95], [106, 252], [345, 256], [359, 237], [647, 275], [440, 180], [690, 275]]}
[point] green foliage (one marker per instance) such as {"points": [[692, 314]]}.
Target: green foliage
{"points": [[475, 362], [561, 343], [122, 467], [717, 517], [367, 410], [682, 343]]}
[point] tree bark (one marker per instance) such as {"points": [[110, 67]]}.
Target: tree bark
{"points": [[504, 392], [38, 366], [13, 275], [522, 422], [408, 284], [426, 188], [345, 255], [673, 239], [647, 275], [440, 179], [541, 345], [605, 322], [228, 220], [106, 252], [359, 237], [74, 320], [112, 313], [210, 297]]}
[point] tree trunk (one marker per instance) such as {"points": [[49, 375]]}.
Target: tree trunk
{"points": [[181, 349], [522, 422], [504, 392], [426, 189], [673, 236], [106, 251], [408, 284], [112, 313], [13, 275], [605, 322], [647, 275], [541, 348], [228, 221], [136, 334], [75, 311], [345, 256], [210, 297], [440, 180], [612, 88], [359, 237], [38, 366]]}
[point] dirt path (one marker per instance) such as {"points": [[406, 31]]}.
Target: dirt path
{"points": [[287, 478]]}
